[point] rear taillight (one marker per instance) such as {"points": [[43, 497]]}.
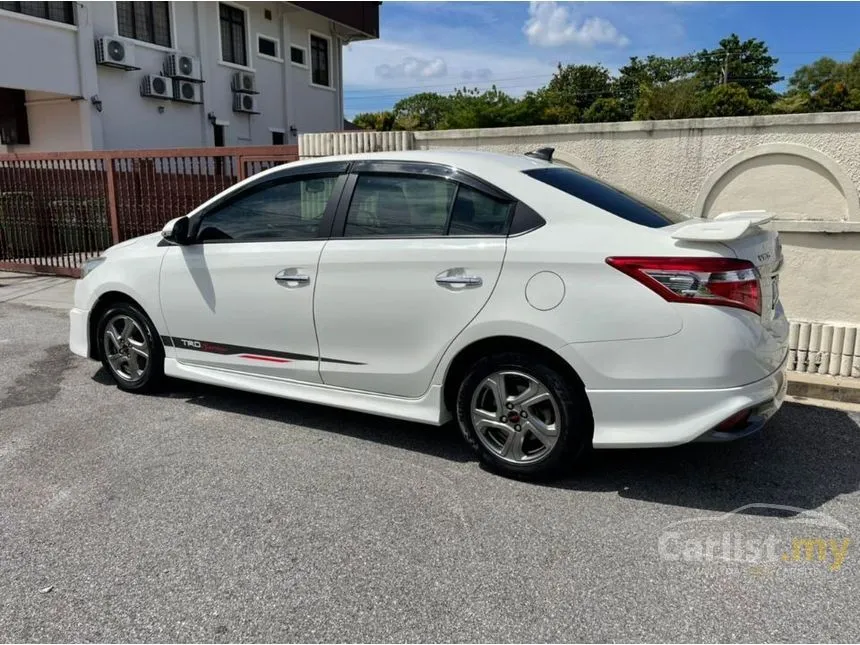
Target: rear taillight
{"points": [[710, 281]]}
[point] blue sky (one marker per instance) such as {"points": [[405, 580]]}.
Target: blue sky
{"points": [[436, 46]]}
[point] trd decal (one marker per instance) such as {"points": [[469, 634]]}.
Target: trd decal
{"points": [[248, 353], [270, 359]]}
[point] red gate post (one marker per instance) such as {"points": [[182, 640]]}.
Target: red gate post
{"points": [[111, 198]]}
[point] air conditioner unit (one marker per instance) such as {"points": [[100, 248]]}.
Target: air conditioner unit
{"points": [[159, 87], [183, 67], [186, 91], [245, 82], [243, 102], [115, 52]]}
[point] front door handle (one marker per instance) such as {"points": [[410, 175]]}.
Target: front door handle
{"points": [[291, 277]]}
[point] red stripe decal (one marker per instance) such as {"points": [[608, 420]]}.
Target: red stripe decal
{"points": [[271, 359]]}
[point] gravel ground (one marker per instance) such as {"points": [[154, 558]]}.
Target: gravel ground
{"points": [[211, 515]]}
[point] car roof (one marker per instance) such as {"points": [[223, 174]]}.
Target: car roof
{"points": [[474, 161]]}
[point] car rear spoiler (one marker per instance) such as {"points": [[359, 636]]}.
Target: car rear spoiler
{"points": [[725, 226]]}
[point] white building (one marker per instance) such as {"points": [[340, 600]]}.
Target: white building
{"points": [[117, 75]]}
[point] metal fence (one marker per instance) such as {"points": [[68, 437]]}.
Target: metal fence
{"points": [[57, 209]]}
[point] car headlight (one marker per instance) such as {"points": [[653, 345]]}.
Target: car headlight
{"points": [[88, 266]]}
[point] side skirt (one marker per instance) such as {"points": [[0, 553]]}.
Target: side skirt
{"points": [[426, 409]]}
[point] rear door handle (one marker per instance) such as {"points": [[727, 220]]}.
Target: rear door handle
{"points": [[457, 278], [291, 277], [469, 280]]}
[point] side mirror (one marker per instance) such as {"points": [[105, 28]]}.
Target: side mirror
{"points": [[176, 231]]}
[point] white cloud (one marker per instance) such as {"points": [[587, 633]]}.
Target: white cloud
{"points": [[412, 67], [482, 74], [364, 61], [551, 25]]}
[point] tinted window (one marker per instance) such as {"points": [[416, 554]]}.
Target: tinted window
{"points": [[399, 205], [475, 213], [146, 21], [297, 55], [232, 35], [267, 46], [319, 61], [284, 209], [626, 206], [57, 11]]}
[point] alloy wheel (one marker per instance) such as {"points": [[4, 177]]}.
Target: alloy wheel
{"points": [[126, 347], [516, 417]]}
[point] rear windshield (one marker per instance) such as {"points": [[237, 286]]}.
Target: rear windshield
{"points": [[625, 205]]}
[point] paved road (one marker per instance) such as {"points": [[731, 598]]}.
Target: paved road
{"points": [[212, 515]]}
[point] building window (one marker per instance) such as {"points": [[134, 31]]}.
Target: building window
{"points": [[14, 129], [145, 21], [319, 61], [268, 46], [277, 138], [56, 11], [233, 46], [297, 55]]}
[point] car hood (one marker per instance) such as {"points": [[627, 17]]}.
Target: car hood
{"points": [[144, 240]]}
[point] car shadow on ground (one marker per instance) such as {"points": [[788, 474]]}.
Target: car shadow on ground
{"points": [[805, 456]]}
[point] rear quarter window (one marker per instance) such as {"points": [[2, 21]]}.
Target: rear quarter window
{"points": [[609, 198]]}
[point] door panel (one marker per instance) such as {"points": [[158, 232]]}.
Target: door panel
{"points": [[224, 308], [378, 305], [241, 297]]}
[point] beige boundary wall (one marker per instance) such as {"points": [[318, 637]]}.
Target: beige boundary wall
{"points": [[805, 168]]}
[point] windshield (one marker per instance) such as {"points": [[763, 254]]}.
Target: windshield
{"points": [[623, 204]]}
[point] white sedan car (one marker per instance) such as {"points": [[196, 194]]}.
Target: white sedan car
{"points": [[544, 310]]}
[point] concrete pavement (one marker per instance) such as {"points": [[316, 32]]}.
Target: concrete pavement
{"points": [[37, 290], [204, 514]]}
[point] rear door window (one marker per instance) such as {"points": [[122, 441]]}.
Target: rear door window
{"points": [[476, 213], [620, 203], [399, 206]]}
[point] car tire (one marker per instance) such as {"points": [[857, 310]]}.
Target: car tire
{"points": [[124, 335], [554, 433]]}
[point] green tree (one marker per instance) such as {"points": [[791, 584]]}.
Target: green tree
{"points": [[834, 96], [675, 100], [604, 110], [731, 100], [424, 111], [791, 103], [653, 70], [471, 108], [578, 85], [746, 63], [852, 72], [810, 78], [378, 121]]}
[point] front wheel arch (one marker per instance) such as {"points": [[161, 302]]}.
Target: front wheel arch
{"points": [[105, 301]]}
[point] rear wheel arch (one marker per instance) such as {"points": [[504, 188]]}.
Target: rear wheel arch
{"points": [[459, 366], [102, 304]]}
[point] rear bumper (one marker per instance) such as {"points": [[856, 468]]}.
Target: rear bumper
{"points": [[652, 418], [79, 341]]}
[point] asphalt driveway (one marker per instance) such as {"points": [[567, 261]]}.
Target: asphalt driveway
{"points": [[207, 514]]}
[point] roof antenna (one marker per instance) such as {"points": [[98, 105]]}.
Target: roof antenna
{"points": [[541, 153]]}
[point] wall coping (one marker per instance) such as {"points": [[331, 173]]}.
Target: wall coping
{"points": [[734, 122]]}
